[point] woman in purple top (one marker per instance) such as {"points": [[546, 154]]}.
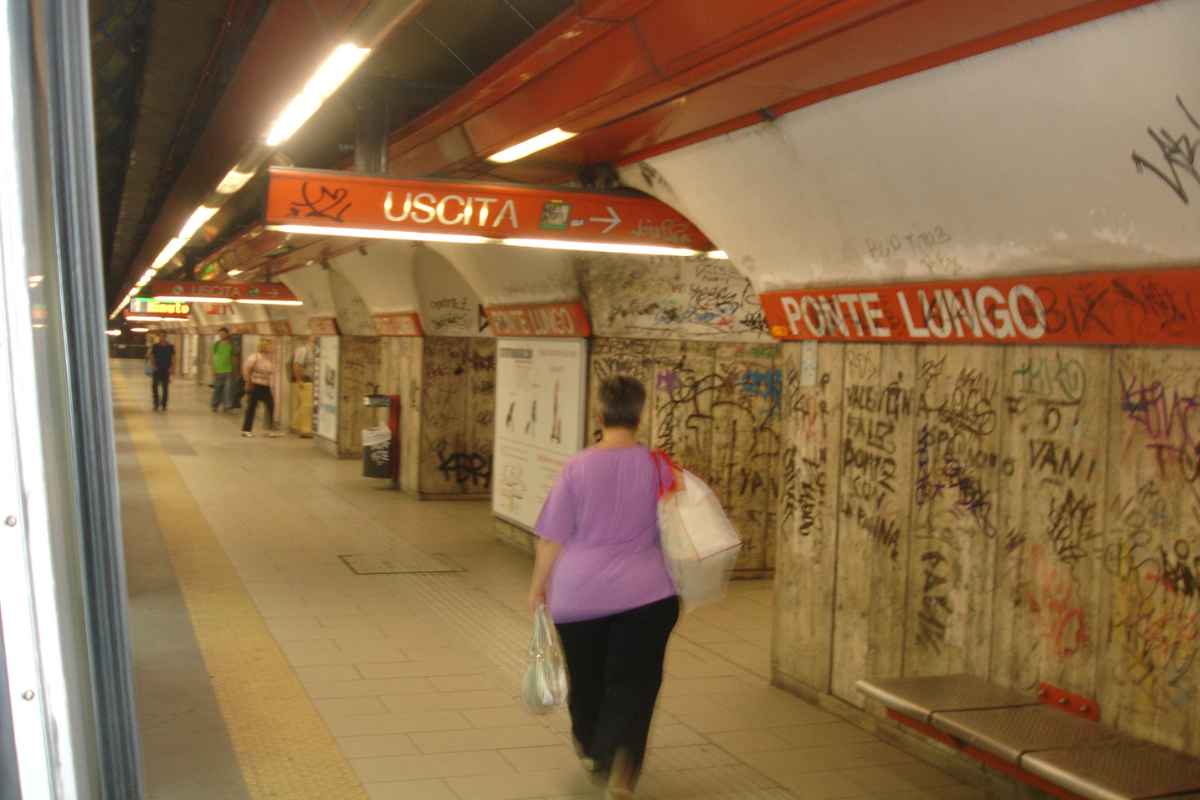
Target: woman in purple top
{"points": [[600, 566]]}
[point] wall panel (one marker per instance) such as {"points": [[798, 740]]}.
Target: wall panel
{"points": [[457, 385], [874, 500], [1151, 618], [806, 551], [1052, 517], [716, 408], [1041, 523]]}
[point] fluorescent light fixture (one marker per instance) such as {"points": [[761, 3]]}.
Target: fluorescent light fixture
{"points": [[340, 64], [168, 252], [34, 280], [139, 330], [717, 255], [144, 318], [532, 145], [147, 276], [372, 233], [233, 273], [601, 247], [113, 331], [269, 302], [171, 298], [200, 216], [233, 181]]}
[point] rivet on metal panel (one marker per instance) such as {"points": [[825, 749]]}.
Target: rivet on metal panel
{"points": [[27, 694], [10, 521], [1062, 701]]}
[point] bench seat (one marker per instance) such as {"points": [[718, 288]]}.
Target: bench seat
{"points": [[1021, 735], [1009, 733], [921, 698], [1128, 770]]}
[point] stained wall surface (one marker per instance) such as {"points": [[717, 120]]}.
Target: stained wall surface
{"points": [[1025, 514], [1057, 154], [458, 398], [716, 409]]}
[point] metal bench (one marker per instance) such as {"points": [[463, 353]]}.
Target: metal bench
{"points": [[1052, 740]]}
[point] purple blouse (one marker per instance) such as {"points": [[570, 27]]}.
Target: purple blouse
{"points": [[603, 509]]}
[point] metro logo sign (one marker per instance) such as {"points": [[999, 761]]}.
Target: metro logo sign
{"points": [[1159, 307], [339, 200]]}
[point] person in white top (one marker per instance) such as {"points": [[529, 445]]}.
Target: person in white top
{"points": [[258, 371]]}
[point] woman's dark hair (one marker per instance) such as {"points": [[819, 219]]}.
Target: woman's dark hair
{"points": [[622, 399]]}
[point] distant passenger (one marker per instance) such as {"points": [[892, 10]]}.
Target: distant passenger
{"points": [[222, 364], [303, 358], [258, 371], [162, 361], [600, 566]]}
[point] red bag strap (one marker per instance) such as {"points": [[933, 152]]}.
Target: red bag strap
{"points": [[661, 457]]}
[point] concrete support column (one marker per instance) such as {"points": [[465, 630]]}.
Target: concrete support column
{"points": [[372, 104]]}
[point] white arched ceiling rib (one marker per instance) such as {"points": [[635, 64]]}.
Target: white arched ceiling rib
{"points": [[383, 277], [450, 306], [513, 275], [1016, 161], [311, 285]]}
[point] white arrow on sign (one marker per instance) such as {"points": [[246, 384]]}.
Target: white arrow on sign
{"points": [[613, 219]]}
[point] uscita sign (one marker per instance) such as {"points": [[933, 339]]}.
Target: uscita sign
{"points": [[425, 208]]}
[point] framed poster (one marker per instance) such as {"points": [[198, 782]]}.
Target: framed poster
{"points": [[328, 386], [540, 405]]}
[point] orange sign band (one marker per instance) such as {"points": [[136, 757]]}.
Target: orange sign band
{"points": [[547, 319], [1147, 307], [336, 200], [405, 323]]}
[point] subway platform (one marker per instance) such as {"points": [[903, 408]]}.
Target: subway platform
{"points": [[267, 668]]}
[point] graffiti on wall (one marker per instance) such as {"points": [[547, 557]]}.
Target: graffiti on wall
{"points": [[457, 405], [717, 410], [1175, 164], [672, 298]]}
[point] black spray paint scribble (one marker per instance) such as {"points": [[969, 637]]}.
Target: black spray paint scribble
{"points": [[1179, 154], [325, 203]]}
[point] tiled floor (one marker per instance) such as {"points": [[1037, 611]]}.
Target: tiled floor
{"points": [[416, 675]]}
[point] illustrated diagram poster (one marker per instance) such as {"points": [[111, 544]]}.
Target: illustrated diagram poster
{"points": [[540, 406], [329, 387]]}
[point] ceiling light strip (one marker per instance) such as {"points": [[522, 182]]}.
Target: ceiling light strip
{"points": [[541, 244]]}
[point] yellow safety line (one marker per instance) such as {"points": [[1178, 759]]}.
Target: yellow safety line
{"points": [[282, 745]]}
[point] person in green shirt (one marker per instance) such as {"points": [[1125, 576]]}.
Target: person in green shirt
{"points": [[222, 364]]}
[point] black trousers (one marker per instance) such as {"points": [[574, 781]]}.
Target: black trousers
{"points": [[615, 665], [161, 380], [259, 393]]}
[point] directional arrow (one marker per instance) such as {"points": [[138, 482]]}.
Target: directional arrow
{"points": [[613, 219]]}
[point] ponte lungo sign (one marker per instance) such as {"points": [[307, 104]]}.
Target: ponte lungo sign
{"points": [[345, 202], [1143, 307]]}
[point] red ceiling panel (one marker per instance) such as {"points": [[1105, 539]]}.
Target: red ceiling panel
{"points": [[683, 33], [611, 10], [617, 63], [702, 67], [541, 53]]}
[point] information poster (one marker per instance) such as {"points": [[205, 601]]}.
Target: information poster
{"points": [[328, 387], [540, 407]]}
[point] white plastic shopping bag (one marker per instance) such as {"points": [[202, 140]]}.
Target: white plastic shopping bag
{"points": [[545, 684], [700, 544]]}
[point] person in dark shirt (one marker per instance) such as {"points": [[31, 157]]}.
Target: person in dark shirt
{"points": [[162, 360]]}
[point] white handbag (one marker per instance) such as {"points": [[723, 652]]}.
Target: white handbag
{"points": [[699, 543], [545, 683]]}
